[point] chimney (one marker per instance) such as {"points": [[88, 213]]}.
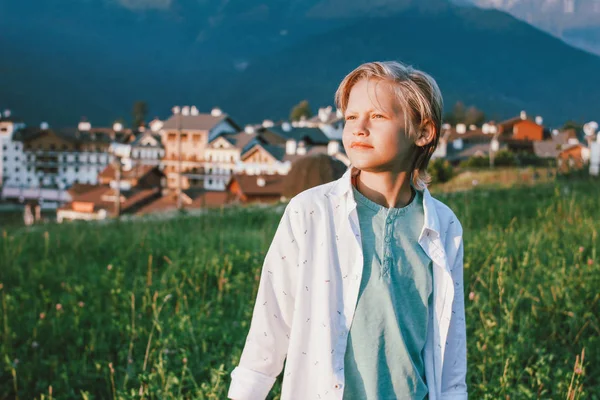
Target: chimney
{"points": [[84, 125], [485, 128], [216, 112], [539, 120], [194, 111], [301, 150], [185, 110], [290, 147], [44, 126], [267, 123], [117, 127], [286, 126], [461, 128], [261, 182], [523, 115], [249, 129], [6, 113]]}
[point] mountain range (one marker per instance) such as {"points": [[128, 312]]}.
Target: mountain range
{"points": [[577, 22], [64, 59]]}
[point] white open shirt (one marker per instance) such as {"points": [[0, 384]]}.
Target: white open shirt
{"points": [[308, 291]]}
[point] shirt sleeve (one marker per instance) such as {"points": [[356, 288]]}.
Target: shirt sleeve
{"points": [[454, 372], [268, 338]]}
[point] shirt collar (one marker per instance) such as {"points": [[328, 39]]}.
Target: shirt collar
{"points": [[343, 188]]}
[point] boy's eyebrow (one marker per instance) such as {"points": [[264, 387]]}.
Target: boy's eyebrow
{"points": [[371, 110]]}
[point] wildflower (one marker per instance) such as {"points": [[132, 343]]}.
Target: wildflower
{"points": [[475, 182], [1, 286], [58, 307], [581, 249], [578, 370], [35, 344], [42, 315], [109, 267], [471, 295], [484, 347], [62, 285], [81, 304], [590, 261], [184, 360]]}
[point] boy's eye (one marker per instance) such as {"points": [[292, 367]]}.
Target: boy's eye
{"points": [[377, 116], [350, 117]]}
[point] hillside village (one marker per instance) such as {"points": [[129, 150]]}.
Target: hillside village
{"points": [[196, 160]]}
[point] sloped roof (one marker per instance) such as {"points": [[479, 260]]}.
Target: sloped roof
{"points": [[136, 172], [547, 148], [309, 135], [137, 141], [95, 196], [200, 122], [250, 187], [73, 135]]}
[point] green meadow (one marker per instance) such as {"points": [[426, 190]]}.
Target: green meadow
{"points": [[159, 309]]}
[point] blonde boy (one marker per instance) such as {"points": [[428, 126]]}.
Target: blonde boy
{"points": [[361, 292]]}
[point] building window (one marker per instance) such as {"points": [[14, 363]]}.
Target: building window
{"points": [[5, 147], [17, 169], [17, 158], [76, 169]]}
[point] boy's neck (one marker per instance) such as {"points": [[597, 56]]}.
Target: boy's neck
{"points": [[388, 189]]}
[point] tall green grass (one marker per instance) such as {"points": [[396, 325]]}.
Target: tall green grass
{"points": [[160, 309]]}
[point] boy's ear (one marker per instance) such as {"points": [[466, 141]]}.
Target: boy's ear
{"points": [[426, 134]]}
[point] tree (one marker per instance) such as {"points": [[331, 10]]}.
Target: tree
{"points": [[462, 115], [572, 125], [474, 116], [140, 110], [300, 110]]}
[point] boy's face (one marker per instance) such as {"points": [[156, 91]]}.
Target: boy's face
{"points": [[375, 136]]}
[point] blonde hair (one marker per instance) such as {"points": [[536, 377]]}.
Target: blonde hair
{"points": [[420, 99]]}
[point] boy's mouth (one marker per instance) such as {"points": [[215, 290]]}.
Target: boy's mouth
{"points": [[360, 146]]}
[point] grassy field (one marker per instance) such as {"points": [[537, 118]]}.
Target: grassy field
{"points": [[160, 309]]}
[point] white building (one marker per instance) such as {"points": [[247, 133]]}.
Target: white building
{"points": [[11, 151], [58, 158]]}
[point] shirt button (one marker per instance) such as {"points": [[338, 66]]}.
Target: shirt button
{"points": [[388, 221], [388, 239], [338, 385]]}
